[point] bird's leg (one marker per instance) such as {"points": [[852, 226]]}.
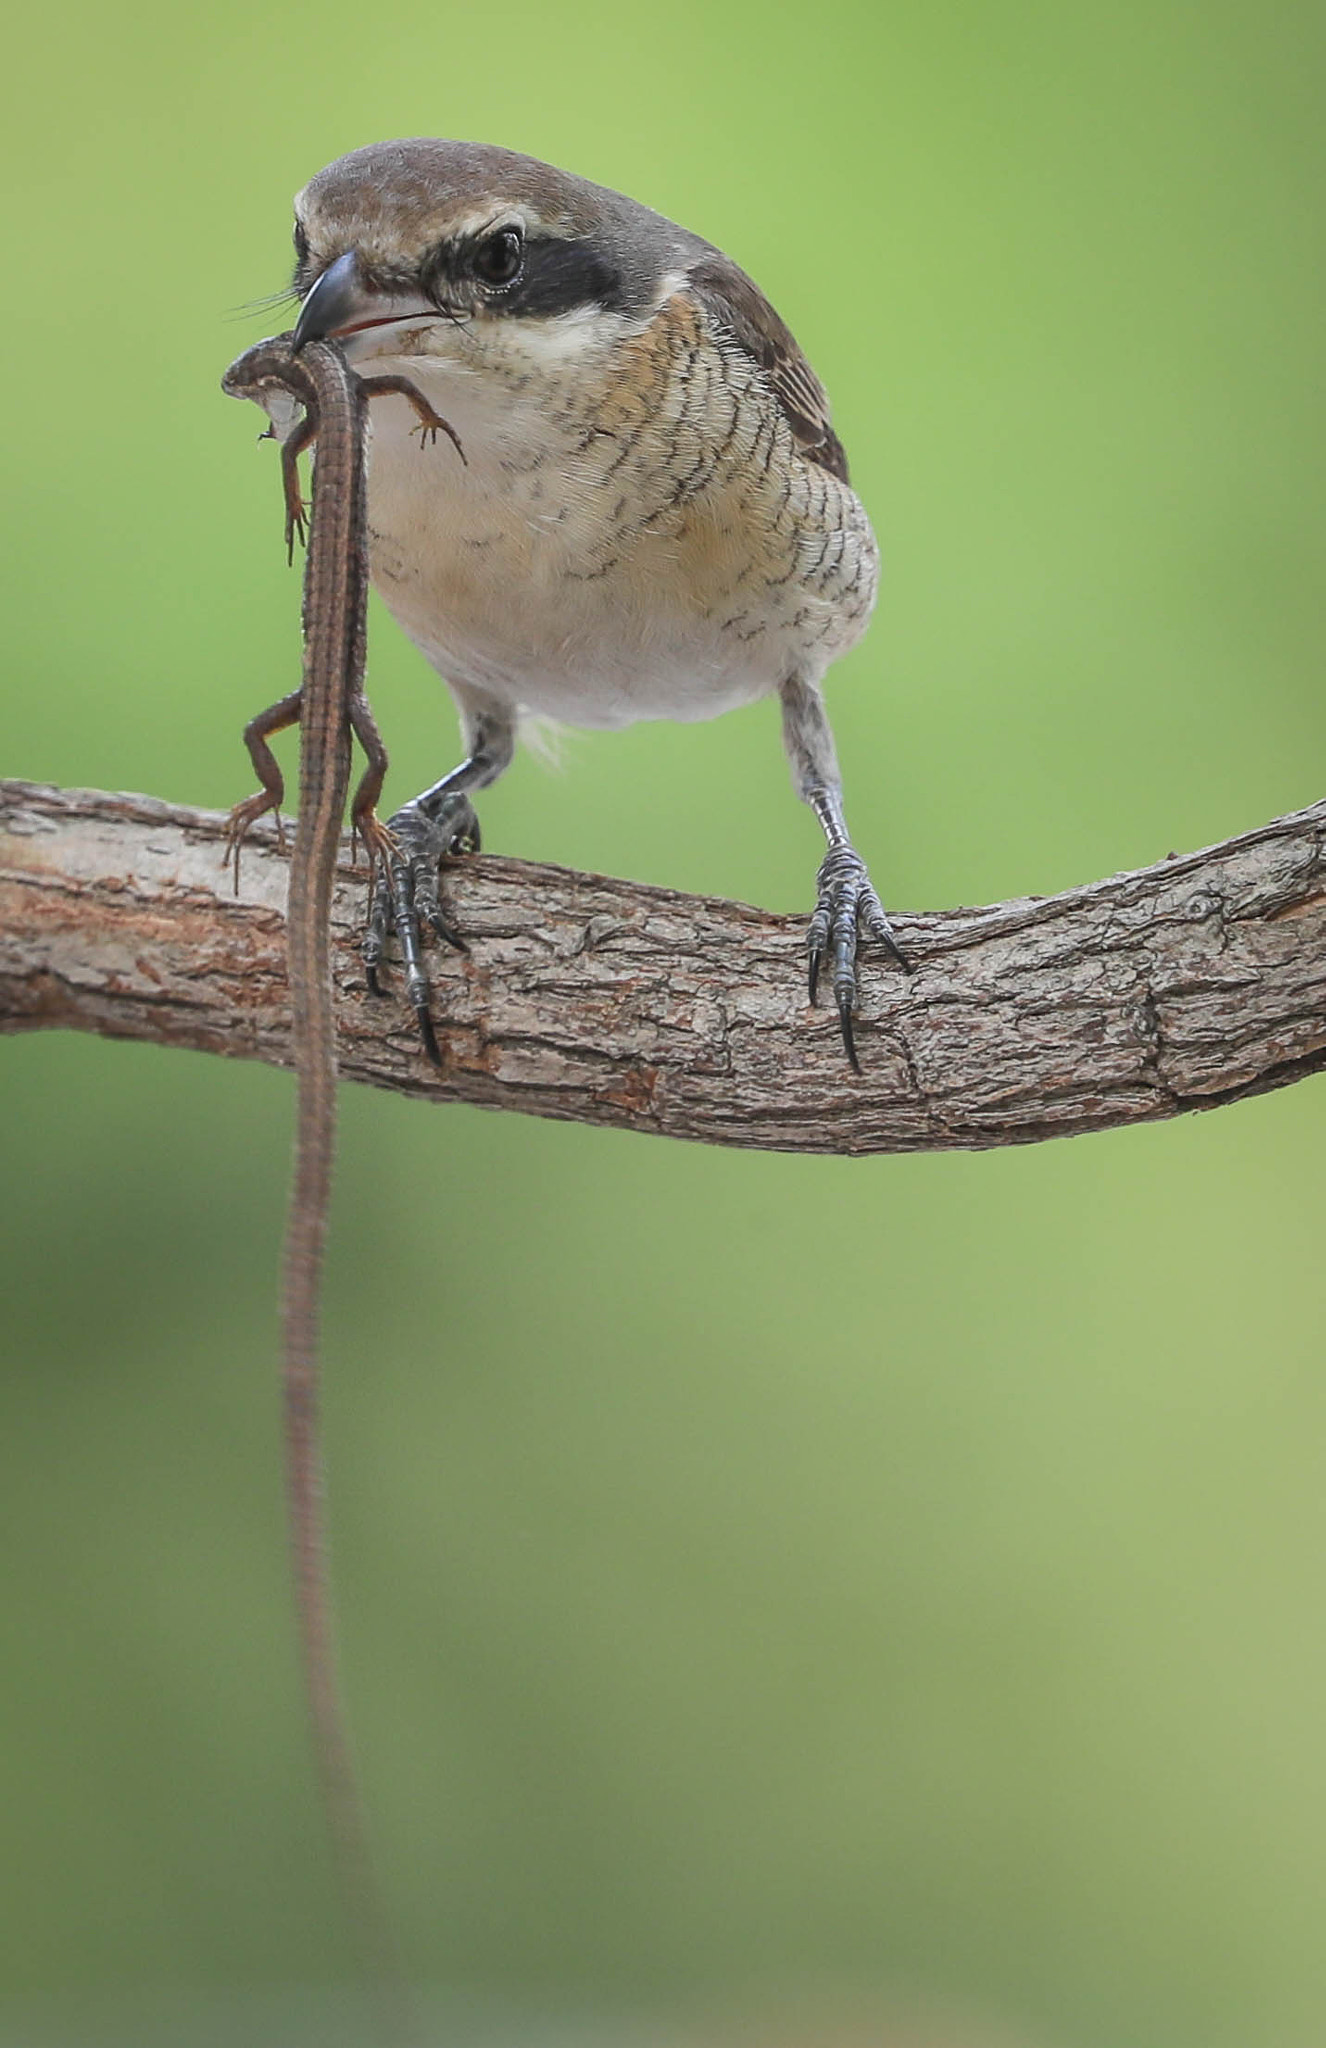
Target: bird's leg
{"points": [[412, 846], [846, 905]]}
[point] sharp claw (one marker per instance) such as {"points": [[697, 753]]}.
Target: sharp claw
{"points": [[375, 987], [845, 1026], [446, 934], [428, 1035], [813, 976], [882, 933]]}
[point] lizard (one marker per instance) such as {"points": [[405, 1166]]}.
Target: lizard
{"points": [[328, 706]]}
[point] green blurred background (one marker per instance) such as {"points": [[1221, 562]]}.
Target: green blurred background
{"points": [[765, 1582]]}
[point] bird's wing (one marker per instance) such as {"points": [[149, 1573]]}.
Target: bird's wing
{"points": [[740, 308]]}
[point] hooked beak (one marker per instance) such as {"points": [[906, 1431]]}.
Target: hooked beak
{"points": [[341, 304], [333, 302]]}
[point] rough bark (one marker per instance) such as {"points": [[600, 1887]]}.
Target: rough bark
{"points": [[1187, 984]]}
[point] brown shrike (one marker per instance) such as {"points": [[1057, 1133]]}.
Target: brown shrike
{"points": [[653, 517]]}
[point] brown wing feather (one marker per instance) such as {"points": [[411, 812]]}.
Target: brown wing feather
{"points": [[740, 308]]}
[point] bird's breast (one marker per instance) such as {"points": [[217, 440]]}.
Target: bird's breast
{"points": [[632, 536]]}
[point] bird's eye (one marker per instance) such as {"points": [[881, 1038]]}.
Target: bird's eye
{"points": [[498, 258], [301, 243]]}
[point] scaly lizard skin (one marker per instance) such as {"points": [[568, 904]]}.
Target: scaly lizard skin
{"points": [[329, 704]]}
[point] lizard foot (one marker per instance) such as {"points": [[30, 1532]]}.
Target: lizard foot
{"points": [[241, 817]]}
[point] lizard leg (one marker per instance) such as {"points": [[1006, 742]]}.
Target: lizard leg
{"points": [[418, 837], [431, 423], [276, 718], [296, 521], [364, 821], [847, 906]]}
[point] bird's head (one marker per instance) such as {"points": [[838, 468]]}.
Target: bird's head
{"points": [[434, 248]]}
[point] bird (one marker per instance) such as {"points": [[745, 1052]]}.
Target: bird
{"points": [[652, 519]]}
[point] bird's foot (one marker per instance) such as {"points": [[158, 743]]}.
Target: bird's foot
{"points": [[408, 853], [847, 909]]}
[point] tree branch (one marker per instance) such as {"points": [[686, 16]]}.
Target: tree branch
{"points": [[1184, 985]]}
